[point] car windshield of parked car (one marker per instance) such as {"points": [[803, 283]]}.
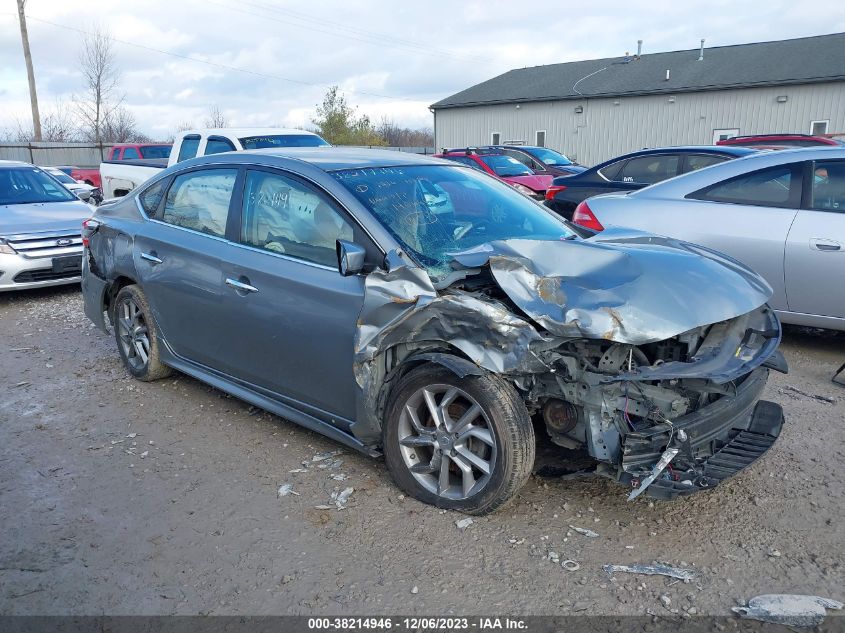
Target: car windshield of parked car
{"points": [[282, 140], [551, 157], [156, 151], [28, 185], [436, 211], [505, 166]]}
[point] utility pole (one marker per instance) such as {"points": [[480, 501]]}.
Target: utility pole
{"points": [[30, 73]]}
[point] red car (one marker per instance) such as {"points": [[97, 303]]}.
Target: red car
{"points": [[790, 140], [495, 163], [122, 151]]}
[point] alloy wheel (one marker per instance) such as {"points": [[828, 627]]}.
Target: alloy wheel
{"points": [[133, 334], [447, 441]]}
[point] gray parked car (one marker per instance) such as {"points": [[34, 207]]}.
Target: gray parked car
{"points": [[781, 213], [40, 224], [411, 306]]}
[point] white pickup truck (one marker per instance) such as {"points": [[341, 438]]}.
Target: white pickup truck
{"points": [[121, 177]]}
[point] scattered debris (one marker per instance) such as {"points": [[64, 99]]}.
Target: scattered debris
{"points": [[665, 600], [132, 436], [340, 498], [774, 553], [585, 532], [298, 470], [319, 457], [788, 609], [653, 570], [415, 590], [813, 396], [24, 383], [144, 454], [335, 463], [338, 476], [463, 523], [286, 579], [570, 565], [287, 489]]}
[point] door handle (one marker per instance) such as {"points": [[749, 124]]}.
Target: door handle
{"points": [[239, 285], [821, 244], [150, 257]]}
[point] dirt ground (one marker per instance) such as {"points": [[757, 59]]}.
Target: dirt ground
{"points": [[119, 497]]}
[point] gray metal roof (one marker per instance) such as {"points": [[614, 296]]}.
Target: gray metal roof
{"points": [[804, 60]]}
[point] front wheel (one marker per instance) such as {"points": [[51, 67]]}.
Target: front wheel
{"points": [[465, 444]]}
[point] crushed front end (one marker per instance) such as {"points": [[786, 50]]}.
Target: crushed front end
{"points": [[667, 418]]}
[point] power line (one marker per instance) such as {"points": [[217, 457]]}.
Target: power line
{"points": [[375, 38], [216, 64]]}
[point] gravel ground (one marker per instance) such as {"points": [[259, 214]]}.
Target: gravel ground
{"points": [[120, 497]]}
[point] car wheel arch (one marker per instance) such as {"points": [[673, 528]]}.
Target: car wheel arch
{"points": [[115, 287]]}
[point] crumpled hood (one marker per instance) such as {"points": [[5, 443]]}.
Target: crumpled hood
{"points": [[621, 285], [535, 182]]}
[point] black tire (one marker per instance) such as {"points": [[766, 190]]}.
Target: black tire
{"points": [[509, 461], [141, 358]]}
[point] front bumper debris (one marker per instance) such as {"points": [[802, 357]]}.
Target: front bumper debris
{"points": [[735, 447]]}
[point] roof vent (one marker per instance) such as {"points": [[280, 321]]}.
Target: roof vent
{"points": [[701, 51]]}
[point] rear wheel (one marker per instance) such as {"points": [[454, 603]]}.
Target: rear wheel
{"points": [[136, 334], [461, 443]]}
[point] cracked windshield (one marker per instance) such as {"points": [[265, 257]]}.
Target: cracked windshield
{"points": [[436, 211]]}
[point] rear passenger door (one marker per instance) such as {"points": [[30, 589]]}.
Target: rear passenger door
{"points": [[694, 162], [815, 248], [177, 255], [641, 171], [291, 316]]}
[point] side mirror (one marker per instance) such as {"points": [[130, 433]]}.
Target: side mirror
{"points": [[350, 258], [83, 195]]}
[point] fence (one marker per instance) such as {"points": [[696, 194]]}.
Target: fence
{"points": [[49, 154]]}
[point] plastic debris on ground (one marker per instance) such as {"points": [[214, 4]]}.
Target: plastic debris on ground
{"points": [[338, 476], [340, 498], [788, 609], [334, 463], [585, 532], [653, 570], [319, 457], [463, 523], [570, 565], [285, 490]]}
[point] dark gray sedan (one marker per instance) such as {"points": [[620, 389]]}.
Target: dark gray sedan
{"points": [[413, 307]]}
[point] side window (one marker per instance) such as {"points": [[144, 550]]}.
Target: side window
{"points": [[115, 152], [190, 145], [649, 169], [773, 187], [199, 200], [524, 158], [217, 144], [612, 171], [700, 161], [130, 152], [829, 186], [151, 197], [286, 216]]}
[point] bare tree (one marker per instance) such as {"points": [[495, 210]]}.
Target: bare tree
{"points": [[120, 127], [216, 118], [101, 76], [30, 73], [58, 126]]}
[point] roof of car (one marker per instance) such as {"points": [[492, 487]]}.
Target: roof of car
{"points": [[7, 164], [334, 158], [733, 150], [794, 61], [239, 132]]}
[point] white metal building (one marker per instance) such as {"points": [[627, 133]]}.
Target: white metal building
{"points": [[597, 109]]}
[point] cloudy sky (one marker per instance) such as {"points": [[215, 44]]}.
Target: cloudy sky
{"points": [[269, 62]]}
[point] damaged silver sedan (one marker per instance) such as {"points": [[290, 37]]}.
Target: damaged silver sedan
{"points": [[418, 309]]}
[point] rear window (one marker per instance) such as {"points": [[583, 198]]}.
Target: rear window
{"points": [[649, 169], [773, 187], [156, 151], [282, 140]]}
